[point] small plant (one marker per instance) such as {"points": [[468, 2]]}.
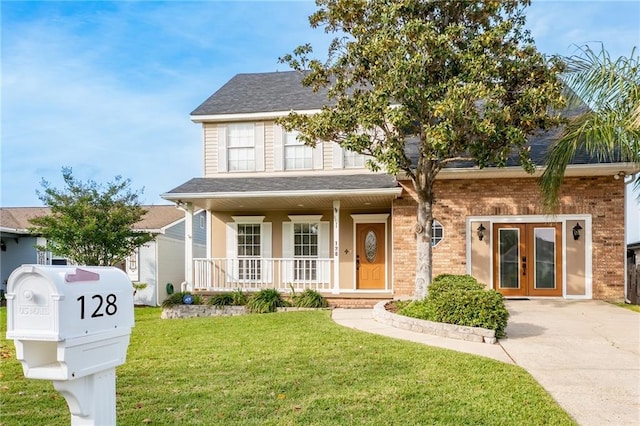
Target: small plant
{"points": [[138, 286], [264, 301], [178, 299], [309, 299], [222, 299], [234, 298]]}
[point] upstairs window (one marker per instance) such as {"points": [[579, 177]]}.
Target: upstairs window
{"points": [[241, 147], [353, 159], [297, 155]]}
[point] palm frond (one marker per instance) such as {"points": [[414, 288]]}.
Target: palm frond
{"points": [[609, 129]]}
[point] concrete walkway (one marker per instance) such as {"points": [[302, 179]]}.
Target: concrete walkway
{"points": [[586, 354]]}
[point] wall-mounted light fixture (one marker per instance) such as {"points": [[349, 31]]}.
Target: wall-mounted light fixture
{"points": [[576, 231], [3, 245], [481, 230]]}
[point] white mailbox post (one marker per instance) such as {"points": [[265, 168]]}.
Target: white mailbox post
{"points": [[72, 325]]}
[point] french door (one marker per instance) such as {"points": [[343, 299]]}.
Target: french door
{"points": [[527, 259]]}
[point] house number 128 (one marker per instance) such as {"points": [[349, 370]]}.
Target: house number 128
{"points": [[104, 305]]}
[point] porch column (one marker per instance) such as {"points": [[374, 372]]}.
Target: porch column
{"points": [[188, 245], [336, 247]]}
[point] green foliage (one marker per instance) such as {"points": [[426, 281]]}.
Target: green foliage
{"points": [[178, 299], [309, 299], [444, 283], [222, 299], [91, 224], [473, 308], [461, 300], [235, 298], [422, 309], [609, 128], [265, 301], [417, 85]]}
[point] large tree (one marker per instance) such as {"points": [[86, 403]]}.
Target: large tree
{"points": [[91, 224], [461, 80], [609, 126]]}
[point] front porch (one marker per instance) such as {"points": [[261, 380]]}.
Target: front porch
{"points": [[255, 274]]}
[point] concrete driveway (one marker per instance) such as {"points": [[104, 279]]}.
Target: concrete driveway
{"points": [[586, 354]]}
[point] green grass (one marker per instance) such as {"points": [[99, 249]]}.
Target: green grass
{"points": [[294, 368], [634, 308]]}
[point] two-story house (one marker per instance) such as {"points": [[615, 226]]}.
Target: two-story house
{"points": [[286, 215]]}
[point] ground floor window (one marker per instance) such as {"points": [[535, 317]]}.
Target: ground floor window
{"points": [[248, 240], [305, 248]]}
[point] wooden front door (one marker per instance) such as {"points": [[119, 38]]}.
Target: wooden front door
{"points": [[370, 256], [527, 259]]}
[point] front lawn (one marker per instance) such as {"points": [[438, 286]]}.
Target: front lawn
{"points": [[286, 369]]}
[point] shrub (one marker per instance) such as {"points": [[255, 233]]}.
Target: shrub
{"points": [[461, 300], [178, 299], [222, 299], [234, 298], [418, 309], [264, 301], [473, 308], [445, 283], [239, 297], [309, 299]]}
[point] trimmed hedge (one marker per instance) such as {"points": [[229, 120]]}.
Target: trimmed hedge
{"points": [[461, 300], [473, 308]]}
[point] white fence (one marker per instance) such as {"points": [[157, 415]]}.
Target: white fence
{"points": [[254, 273]]}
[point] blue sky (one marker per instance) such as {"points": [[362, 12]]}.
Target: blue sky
{"points": [[107, 87]]}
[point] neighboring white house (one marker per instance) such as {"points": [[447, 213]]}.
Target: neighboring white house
{"points": [[157, 264], [160, 263]]}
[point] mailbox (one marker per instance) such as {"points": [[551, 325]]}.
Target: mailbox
{"points": [[68, 322]]}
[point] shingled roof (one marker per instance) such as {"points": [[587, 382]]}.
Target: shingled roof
{"points": [[16, 219], [297, 184], [263, 92]]}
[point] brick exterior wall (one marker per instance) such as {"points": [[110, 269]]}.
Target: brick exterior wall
{"points": [[602, 197]]}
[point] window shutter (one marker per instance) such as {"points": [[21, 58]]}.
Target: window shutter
{"points": [[278, 148], [232, 252], [338, 160], [265, 252], [323, 252], [287, 251], [317, 156], [259, 146], [222, 148]]}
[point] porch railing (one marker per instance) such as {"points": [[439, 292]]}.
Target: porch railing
{"points": [[253, 274]]}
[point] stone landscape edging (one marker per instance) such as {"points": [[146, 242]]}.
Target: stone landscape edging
{"points": [[452, 331], [194, 311]]}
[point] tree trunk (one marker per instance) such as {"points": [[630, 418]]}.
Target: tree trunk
{"points": [[423, 184]]}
